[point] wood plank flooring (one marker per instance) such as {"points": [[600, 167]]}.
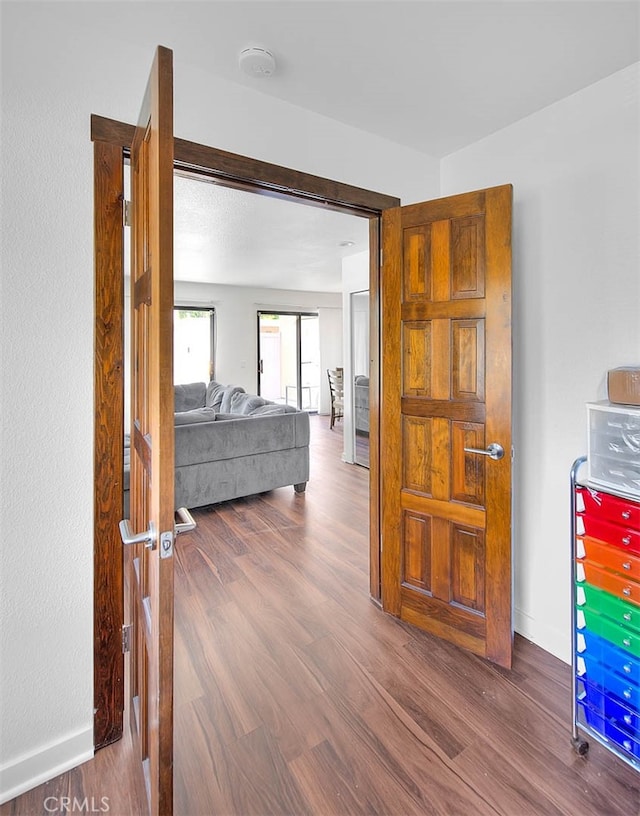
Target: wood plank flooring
{"points": [[295, 694]]}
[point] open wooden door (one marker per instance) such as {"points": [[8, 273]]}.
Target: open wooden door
{"points": [[446, 419], [150, 533]]}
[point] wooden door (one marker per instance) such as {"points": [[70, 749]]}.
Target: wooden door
{"points": [[446, 389], [149, 564]]}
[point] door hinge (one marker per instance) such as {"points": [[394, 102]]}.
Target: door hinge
{"points": [[381, 257], [126, 213], [126, 637]]}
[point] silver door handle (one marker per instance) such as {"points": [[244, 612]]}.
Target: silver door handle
{"points": [[187, 521], [149, 537], [493, 451]]}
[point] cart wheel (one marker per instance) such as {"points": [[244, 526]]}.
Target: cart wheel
{"points": [[580, 746]]}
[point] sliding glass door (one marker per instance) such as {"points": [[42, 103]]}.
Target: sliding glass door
{"points": [[289, 358]]}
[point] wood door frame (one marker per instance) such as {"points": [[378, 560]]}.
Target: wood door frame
{"points": [[112, 140]]}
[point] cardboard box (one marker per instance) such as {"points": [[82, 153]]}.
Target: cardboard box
{"points": [[623, 385]]}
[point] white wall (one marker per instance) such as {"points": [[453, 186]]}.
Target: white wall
{"points": [[331, 350], [575, 171], [57, 69], [236, 315]]}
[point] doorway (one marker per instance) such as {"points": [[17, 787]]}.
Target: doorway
{"points": [[112, 141]]}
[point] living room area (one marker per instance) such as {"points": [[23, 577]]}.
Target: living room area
{"points": [[270, 295]]}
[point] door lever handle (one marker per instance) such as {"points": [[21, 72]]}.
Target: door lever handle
{"points": [[148, 537], [186, 521], [493, 451]]}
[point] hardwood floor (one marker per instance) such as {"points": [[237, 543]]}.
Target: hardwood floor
{"points": [[295, 694]]}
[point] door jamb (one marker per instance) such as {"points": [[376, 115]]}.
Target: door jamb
{"points": [[112, 140]]}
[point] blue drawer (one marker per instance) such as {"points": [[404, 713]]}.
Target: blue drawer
{"points": [[591, 645], [591, 671], [611, 731], [609, 707]]}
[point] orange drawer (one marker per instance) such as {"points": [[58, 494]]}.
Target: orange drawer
{"points": [[612, 558], [609, 533], [617, 585], [606, 507]]}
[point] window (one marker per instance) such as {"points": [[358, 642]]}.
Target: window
{"points": [[193, 344]]}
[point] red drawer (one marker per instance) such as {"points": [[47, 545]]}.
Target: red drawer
{"points": [[617, 585], [612, 558], [606, 507], [608, 533]]}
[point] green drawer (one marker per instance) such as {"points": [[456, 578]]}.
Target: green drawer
{"points": [[627, 639], [597, 600]]}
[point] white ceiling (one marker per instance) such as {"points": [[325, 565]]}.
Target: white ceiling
{"points": [[433, 75], [430, 74]]}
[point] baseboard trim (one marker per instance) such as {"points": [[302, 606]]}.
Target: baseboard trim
{"points": [[31, 770], [546, 637]]}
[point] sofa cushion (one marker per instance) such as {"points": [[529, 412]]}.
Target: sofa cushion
{"points": [[189, 396], [214, 394], [246, 403], [269, 409], [197, 415], [227, 396]]}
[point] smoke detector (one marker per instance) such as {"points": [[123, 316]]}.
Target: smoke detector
{"points": [[257, 62]]}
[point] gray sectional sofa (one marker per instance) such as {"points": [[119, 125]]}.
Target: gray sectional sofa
{"points": [[230, 444], [361, 403]]}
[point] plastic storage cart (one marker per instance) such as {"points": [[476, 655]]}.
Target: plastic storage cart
{"points": [[605, 543]]}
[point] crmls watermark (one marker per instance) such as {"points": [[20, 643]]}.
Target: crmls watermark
{"points": [[68, 804]]}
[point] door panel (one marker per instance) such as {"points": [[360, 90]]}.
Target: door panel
{"points": [[417, 358], [149, 564], [467, 359], [467, 257], [416, 556], [467, 481], [446, 334]]}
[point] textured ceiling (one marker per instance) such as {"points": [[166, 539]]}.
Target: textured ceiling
{"points": [[233, 237]]}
